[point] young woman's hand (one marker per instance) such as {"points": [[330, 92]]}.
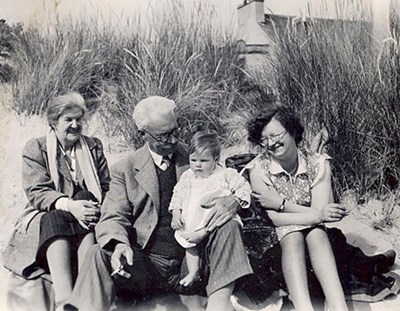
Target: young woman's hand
{"points": [[269, 198], [332, 212]]}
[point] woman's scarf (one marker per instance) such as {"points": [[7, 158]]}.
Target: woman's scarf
{"points": [[84, 158]]}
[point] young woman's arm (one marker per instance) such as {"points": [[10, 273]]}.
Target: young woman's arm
{"points": [[294, 214]]}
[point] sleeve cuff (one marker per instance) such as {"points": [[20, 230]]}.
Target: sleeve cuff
{"points": [[242, 203], [62, 204]]}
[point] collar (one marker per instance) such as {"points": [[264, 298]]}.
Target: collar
{"points": [[275, 168], [156, 157]]}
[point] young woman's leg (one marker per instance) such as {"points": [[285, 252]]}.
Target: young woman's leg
{"points": [[221, 299], [58, 259], [324, 265], [294, 270]]}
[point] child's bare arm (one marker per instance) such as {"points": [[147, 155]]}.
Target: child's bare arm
{"points": [[177, 220]]}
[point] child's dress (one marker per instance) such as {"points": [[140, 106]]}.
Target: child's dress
{"points": [[191, 192], [297, 188]]}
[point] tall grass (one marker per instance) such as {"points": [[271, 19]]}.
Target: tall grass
{"points": [[73, 55], [337, 75], [182, 53]]}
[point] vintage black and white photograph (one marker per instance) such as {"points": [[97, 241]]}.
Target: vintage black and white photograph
{"points": [[200, 155]]}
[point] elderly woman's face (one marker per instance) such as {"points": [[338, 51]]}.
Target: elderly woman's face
{"points": [[277, 139], [69, 127]]}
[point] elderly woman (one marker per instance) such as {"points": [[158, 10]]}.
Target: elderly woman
{"points": [[298, 202], [65, 177]]}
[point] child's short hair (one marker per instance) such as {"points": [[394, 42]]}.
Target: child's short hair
{"points": [[205, 140]]}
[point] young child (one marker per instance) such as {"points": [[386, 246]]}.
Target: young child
{"points": [[204, 182]]}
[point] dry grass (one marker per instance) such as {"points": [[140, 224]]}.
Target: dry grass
{"points": [[184, 54], [337, 75]]}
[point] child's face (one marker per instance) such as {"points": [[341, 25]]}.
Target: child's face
{"points": [[202, 164]]}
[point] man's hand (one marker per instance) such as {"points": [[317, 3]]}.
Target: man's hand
{"points": [[122, 255], [222, 210]]}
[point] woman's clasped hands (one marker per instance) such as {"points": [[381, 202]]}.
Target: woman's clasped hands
{"points": [[86, 212]]}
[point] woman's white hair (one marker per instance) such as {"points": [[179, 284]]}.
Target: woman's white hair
{"points": [[153, 108]]}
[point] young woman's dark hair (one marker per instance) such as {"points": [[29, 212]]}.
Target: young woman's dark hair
{"points": [[284, 114]]}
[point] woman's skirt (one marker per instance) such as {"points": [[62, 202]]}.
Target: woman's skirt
{"points": [[59, 223]]}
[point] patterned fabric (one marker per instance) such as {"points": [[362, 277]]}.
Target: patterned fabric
{"points": [[297, 188]]}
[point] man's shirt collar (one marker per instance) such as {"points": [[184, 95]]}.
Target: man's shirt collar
{"points": [[157, 159]]}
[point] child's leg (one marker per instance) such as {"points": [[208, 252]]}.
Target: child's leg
{"points": [[324, 265], [221, 299], [196, 236], [294, 270], [193, 264]]}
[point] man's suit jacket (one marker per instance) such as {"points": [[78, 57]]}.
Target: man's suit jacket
{"points": [[131, 207]]}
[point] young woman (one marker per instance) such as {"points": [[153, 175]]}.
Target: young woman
{"points": [[298, 202]]}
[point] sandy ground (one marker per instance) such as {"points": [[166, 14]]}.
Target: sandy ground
{"points": [[15, 131]]}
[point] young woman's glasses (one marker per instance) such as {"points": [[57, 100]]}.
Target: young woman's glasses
{"points": [[165, 137], [274, 138]]}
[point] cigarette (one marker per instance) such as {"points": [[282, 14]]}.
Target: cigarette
{"points": [[120, 268]]}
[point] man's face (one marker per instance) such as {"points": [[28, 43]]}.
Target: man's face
{"points": [[160, 135]]}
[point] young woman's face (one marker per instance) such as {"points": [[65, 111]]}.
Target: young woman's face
{"points": [[68, 128], [202, 164], [277, 140]]}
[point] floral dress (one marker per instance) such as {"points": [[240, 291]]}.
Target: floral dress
{"points": [[297, 188]]}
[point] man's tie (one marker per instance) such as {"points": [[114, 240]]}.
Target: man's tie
{"points": [[165, 163]]}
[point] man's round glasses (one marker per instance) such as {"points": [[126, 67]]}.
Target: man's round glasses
{"points": [[165, 137], [274, 138]]}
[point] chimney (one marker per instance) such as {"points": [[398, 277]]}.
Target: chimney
{"points": [[253, 9], [250, 18]]}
